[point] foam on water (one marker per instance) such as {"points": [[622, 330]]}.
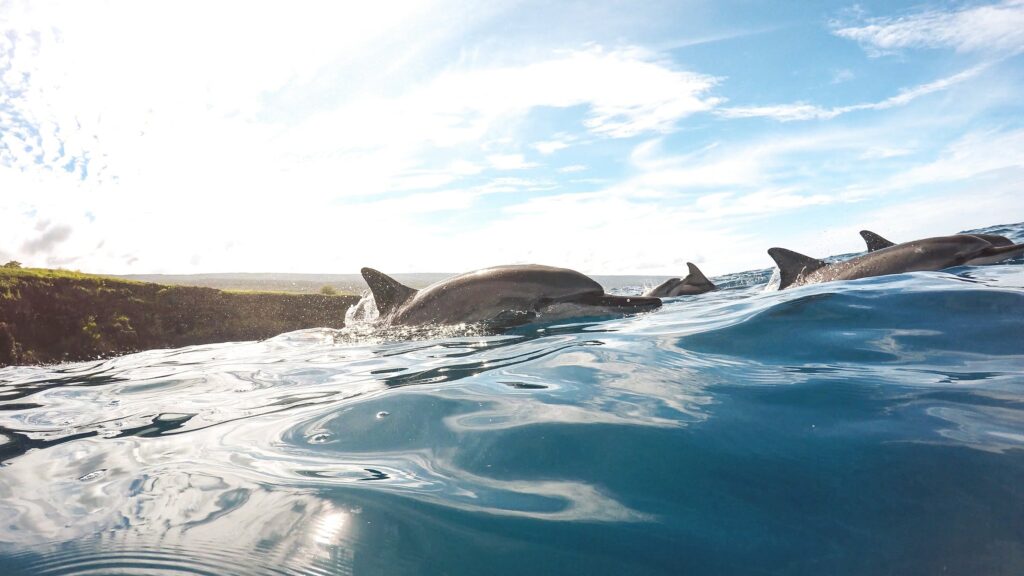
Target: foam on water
{"points": [[874, 426]]}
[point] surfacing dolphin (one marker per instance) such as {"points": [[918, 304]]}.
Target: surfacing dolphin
{"points": [[876, 242], [694, 283], [928, 254], [500, 297]]}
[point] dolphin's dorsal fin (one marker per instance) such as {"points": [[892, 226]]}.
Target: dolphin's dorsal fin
{"points": [[793, 265], [874, 241], [388, 293], [696, 277]]}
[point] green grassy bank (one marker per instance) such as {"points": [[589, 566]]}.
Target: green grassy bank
{"points": [[52, 315]]}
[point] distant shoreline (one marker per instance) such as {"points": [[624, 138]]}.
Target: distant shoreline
{"points": [[49, 316], [304, 283]]}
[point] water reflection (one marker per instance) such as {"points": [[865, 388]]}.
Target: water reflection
{"points": [[105, 509]]}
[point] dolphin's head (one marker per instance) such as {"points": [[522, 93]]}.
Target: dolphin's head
{"points": [[941, 252], [1002, 249], [594, 305], [962, 248]]}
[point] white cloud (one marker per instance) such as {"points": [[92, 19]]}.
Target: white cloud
{"points": [[509, 162], [550, 146], [760, 203], [572, 168], [781, 112], [426, 202], [973, 154], [559, 142], [803, 111], [995, 27], [877, 152], [964, 206], [625, 92], [601, 233]]}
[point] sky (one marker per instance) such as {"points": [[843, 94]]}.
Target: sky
{"points": [[441, 136]]}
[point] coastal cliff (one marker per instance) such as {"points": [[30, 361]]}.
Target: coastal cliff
{"points": [[51, 316]]}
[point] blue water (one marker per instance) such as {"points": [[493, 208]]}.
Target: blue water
{"points": [[866, 427]]}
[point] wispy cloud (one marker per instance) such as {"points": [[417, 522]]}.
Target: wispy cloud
{"points": [[844, 75], [550, 146], [878, 152], [46, 241], [961, 206], [559, 142], [802, 111], [973, 154], [688, 42], [995, 27], [509, 162], [626, 92]]}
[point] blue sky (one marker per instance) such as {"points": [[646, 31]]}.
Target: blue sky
{"points": [[616, 137]]}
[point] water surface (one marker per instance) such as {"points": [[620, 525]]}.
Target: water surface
{"points": [[865, 427]]}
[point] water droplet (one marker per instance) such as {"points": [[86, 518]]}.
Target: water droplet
{"points": [[319, 438], [173, 417], [383, 414], [93, 475]]}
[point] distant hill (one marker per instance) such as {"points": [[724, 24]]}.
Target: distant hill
{"points": [[54, 315], [343, 283], [275, 282]]}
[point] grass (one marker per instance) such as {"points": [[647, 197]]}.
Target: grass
{"points": [[49, 273]]}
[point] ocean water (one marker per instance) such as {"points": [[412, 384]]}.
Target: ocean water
{"points": [[865, 427]]}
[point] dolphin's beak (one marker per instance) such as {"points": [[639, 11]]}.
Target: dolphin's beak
{"points": [[620, 304], [1010, 251]]}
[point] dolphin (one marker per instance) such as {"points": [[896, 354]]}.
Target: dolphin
{"points": [[876, 242], [694, 283], [501, 297], [928, 254]]}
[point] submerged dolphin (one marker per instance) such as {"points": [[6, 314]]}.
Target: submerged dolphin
{"points": [[876, 242], [502, 296], [928, 254], [694, 283]]}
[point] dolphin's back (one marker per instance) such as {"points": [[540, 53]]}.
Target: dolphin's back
{"points": [[482, 295], [920, 255]]}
